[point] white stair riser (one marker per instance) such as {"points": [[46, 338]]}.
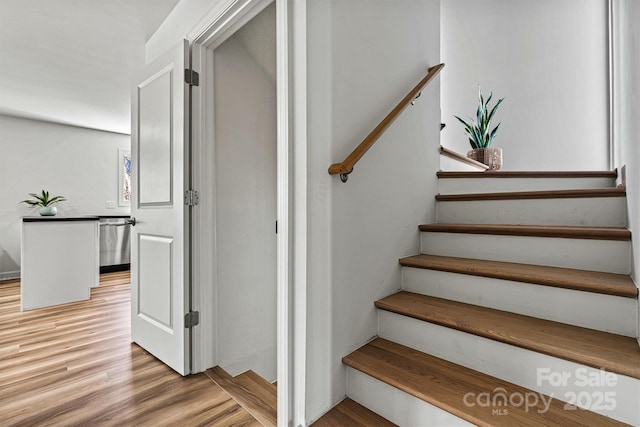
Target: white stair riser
{"points": [[512, 364], [395, 405], [493, 185], [597, 212], [595, 255], [615, 314]]}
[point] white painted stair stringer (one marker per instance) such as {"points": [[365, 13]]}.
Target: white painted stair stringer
{"points": [[526, 368], [573, 307], [612, 256], [396, 405], [593, 211], [486, 185]]}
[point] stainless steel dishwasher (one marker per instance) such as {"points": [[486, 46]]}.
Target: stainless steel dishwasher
{"points": [[115, 246]]}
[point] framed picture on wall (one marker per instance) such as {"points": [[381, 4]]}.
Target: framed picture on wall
{"points": [[124, 177]]}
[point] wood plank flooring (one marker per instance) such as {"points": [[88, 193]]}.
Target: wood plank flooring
{"points": [[268, 393], [75, 365], [351, 414], [251, 391]]}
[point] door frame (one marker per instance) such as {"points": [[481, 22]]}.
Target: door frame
{"points": [[213, 30]]}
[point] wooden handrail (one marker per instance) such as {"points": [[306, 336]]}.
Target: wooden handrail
{"points": [[463, 159], [346, 166]]}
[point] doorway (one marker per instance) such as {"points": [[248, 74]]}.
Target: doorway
{"points": [[206, 349], [186, 107], [244, 139]]}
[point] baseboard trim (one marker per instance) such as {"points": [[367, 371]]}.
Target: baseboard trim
{"points": [[8, 275], [114, 268]]}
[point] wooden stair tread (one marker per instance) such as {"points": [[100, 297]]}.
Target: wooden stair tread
{"points": [[352, 414], [597, 349], [528, 174], [250, 393], [571, 232], [260, 387], [568, 278], [445, 384], [531, 195]]}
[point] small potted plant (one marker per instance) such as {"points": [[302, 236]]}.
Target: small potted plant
{"points": [[480, 134], [45, 201]]}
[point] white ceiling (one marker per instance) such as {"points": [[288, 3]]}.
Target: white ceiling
{"points": [[72, 61]]}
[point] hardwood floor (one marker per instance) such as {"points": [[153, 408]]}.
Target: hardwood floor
{"points": [[351, 414], [75, 365], [251, 391]]}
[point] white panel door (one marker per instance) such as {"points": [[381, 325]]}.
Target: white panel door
{"points": [[159, 240]]}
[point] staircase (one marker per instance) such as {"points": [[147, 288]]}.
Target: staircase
{"points": [[519, 310]]}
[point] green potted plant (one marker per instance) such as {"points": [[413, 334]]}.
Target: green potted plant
{"points": [[481, 135], [45, 201]]}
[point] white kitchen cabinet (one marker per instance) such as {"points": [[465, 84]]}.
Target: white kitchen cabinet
{"points": [[60, 260]]}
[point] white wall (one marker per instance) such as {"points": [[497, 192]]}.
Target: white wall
{"points": [[363, 57], [80, 164], [245, 151], [548, 58], [626, 113]]}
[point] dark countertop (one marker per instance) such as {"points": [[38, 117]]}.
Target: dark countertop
{"points": [[59, 218]]}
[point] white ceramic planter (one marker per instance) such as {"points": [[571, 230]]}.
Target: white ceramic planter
{"points": [[48, 211]]}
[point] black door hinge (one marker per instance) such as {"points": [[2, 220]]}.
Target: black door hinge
{"points": [[192, 78], [191, 319]]}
